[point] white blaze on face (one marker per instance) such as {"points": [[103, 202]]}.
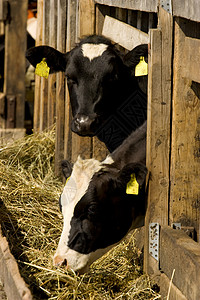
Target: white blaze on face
{"points": [[92, 51], [74, 189]]}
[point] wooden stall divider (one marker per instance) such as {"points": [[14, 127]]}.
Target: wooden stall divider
{"points": [[14, 87], [185, 158], [60, 87], [36, 116]]}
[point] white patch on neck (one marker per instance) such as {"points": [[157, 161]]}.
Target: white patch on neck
{"points": [[93, 50]]}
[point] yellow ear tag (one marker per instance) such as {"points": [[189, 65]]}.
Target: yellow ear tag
{"points": [[141, 68], [67, 179], [132, 186], [42, 69]]}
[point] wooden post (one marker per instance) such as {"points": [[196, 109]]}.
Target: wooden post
{"points": [[101, 12], [44, 82], [158, 129], [36, 117], [14, 82], [51, 104], [60, 87], [83, 145], [185, 153], [70, 44]]}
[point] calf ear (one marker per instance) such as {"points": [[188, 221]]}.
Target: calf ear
{"points": [[138, 169], [66, 168], [132, 58], [55, 60]]}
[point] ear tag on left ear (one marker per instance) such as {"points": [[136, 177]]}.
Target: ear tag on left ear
{"points": [[68, 178], [42, 69], [141, 68], [132, 186]]}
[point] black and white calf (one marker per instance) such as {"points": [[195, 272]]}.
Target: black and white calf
{"points": [[105, 97], [96, 209]]}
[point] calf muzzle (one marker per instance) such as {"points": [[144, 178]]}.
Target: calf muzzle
{"points": [[83, 125]]}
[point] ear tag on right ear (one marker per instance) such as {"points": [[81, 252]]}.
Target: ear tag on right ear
{"points": [[42, 69], [132, 186], [141, 68]]}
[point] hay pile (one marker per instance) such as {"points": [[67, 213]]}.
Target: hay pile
{"points": [[32, 223]]}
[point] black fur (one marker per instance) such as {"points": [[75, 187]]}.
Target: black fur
{"points": [[105, 97]]}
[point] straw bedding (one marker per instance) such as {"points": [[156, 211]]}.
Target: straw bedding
{"points": [[31, 220]]}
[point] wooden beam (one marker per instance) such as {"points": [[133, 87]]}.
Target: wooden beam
{"points": [[60, 87], [86, 17], [179, 252], [14, 285], [185, 155], [51, 103], [44, 82], [123, 34], [14, 78], [189, 9], [158, 128], [70, 44], [143, 5], [36, 117], [191, 64]]}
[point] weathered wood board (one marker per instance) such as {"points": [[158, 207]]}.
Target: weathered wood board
{"points": [[123, 34], [189, 9], [143, 5], [14, 79], [158, 124], [180, 253], [13, 283], [191, 59], [60, 87], [185, 149]]}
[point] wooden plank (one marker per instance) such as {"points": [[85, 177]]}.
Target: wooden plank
{"points": [[191, 64], [2, 110], [60, 88], [167, 288], [179, 252], [123, 34], [185, 153], [70, 44], [99, 149], [143, 5], [14, 285], [86, 17], [36, 117], [189, 9], [14, 79], [44, 82], [51, 103], [101, 12], [158, 127]]}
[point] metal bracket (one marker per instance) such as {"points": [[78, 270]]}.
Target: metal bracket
{"points": [[176, 226], [154, 231], [166, 5]]}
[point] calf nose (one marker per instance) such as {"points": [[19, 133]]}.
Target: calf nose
{"points": [[82, 120], [82, 124], [59, 261]]}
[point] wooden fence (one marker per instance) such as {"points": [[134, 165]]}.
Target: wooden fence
{"points": [[173, 134], [13, 16]]}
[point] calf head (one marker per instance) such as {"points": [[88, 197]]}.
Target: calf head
{"points": [[98, 78], [97, 211]]}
